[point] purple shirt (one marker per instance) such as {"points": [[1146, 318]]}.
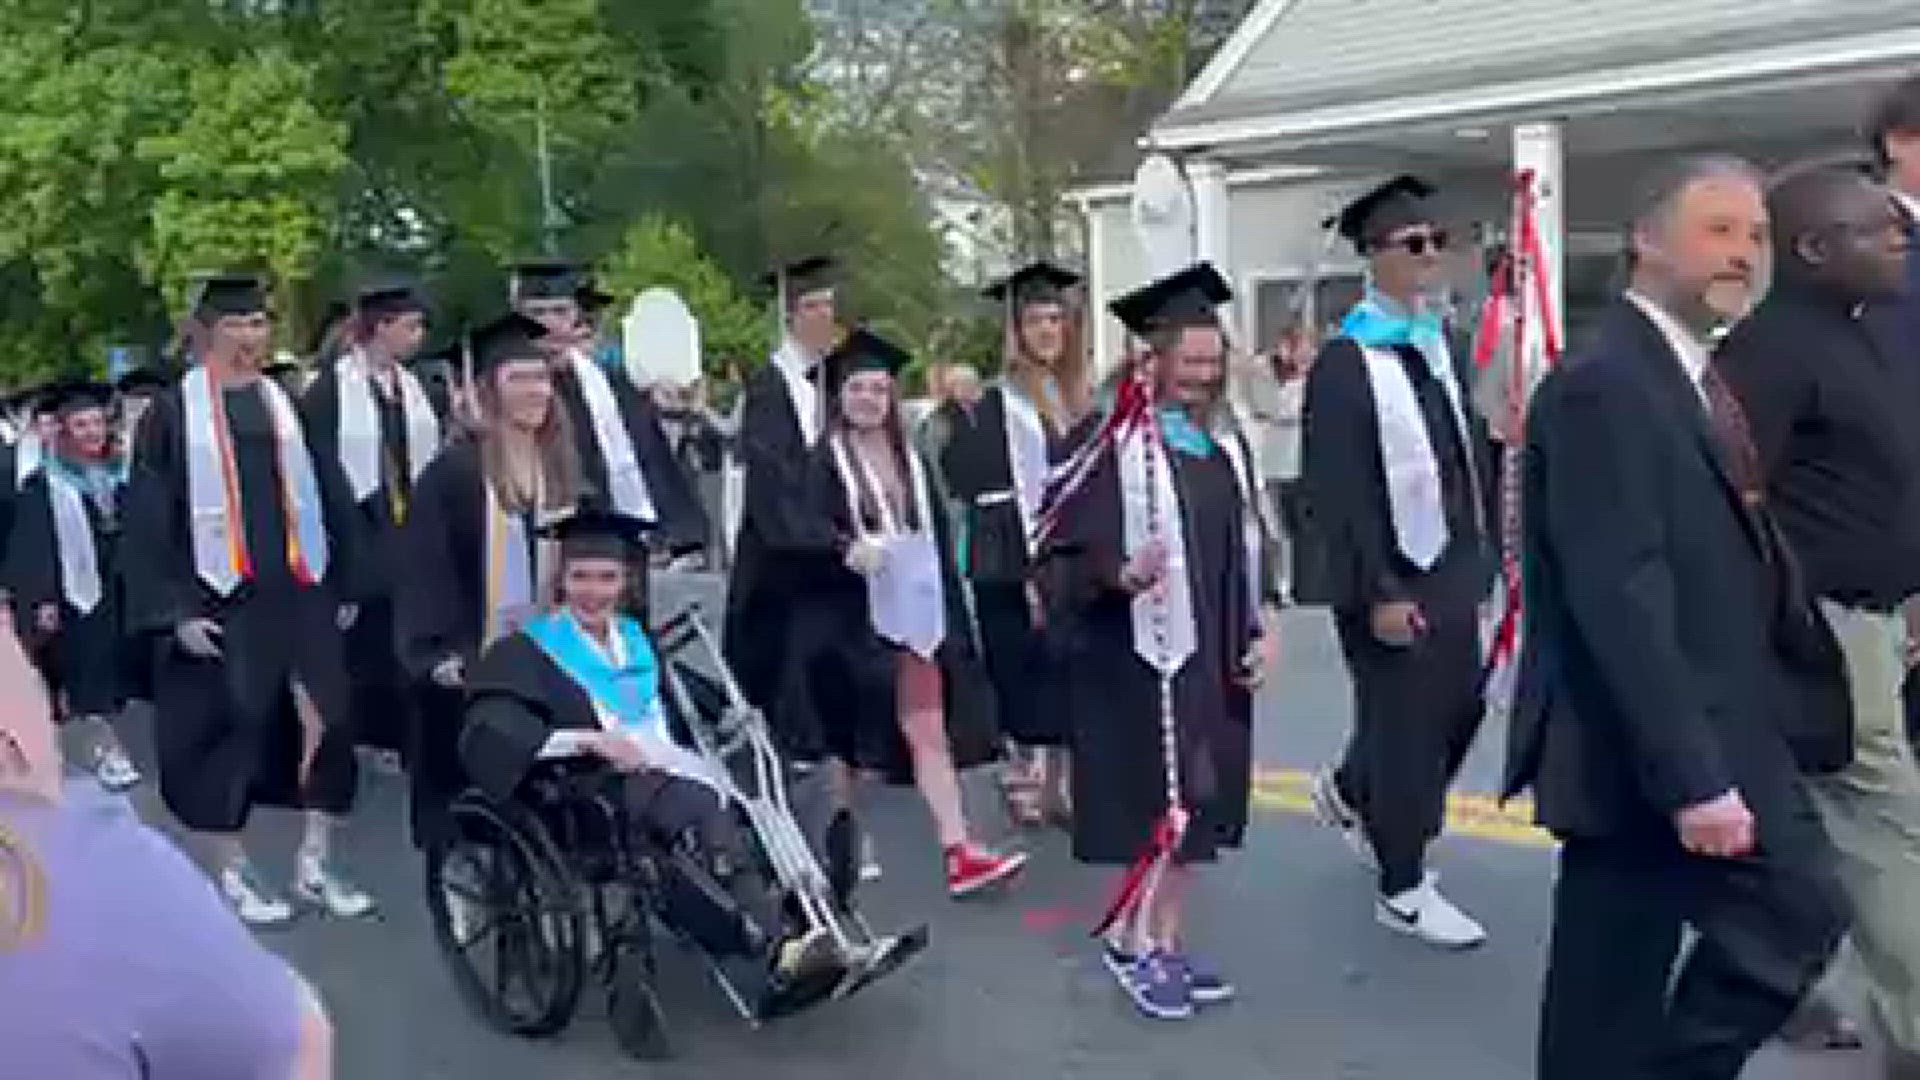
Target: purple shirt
{"points": [[140, 969]]}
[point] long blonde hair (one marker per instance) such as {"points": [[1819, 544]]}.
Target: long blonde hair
{"points": [[560, 474], [1029, 374]]}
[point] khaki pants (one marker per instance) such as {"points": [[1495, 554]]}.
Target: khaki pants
{"points": [[1872, 812]]}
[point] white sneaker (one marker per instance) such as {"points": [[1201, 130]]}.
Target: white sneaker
{"points": [[869, 859], [113, 768], [1331, 809], [1423, 913], [251, 901], [319, 885]]}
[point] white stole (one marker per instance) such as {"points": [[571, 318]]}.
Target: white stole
{"points": [[73, 537], [514, 569], [1414, 493], [627, 483], [792, 362], [360, 431], [220, 555], [1026, 457], [26, 456], [905, 596]]}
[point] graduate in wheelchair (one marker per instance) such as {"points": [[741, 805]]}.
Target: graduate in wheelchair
{"points": [[617, 792]]}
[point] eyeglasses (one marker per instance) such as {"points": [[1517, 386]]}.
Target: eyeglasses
{"points": [[1417, 243]]}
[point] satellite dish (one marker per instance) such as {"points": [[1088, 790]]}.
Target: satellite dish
{"points": [[661, 339], [1163, 216]]}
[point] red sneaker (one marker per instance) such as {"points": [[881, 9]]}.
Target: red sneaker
{"points": [[971, 868]]}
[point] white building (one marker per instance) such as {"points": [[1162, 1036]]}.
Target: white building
{"points": [[1311, 101]]}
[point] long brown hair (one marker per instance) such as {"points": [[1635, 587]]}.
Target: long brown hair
{"points": [[1029, 373], [560, 473], [869, 501]]}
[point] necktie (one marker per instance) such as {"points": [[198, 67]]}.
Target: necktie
{"points": [[1729, 422]]}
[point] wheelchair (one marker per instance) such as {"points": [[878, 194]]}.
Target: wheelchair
{"points": [[535, 899]]}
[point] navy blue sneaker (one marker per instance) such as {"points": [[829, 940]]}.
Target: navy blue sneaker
{"points": [[1206, 985], [1117, 959], [1158, 988]]}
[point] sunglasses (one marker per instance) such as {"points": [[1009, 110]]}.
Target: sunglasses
{"points": [[1417, 243]]}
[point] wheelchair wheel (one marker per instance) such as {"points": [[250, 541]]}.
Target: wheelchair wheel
{"points": [[508, 917]]}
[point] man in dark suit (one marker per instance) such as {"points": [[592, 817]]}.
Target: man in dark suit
{"points": [[1658, 711]]}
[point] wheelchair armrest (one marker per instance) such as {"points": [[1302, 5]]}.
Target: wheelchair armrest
{"points": [[560, 780]]}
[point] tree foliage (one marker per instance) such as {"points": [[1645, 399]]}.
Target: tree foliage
{"points": [[659, 251]]}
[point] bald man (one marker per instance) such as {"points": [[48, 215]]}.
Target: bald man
{"points": [[1828, 409]]}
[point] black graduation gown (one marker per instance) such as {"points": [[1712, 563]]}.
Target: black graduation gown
{"points": [[439, 606], [683, 524], [838, 693], [517, 697], [226, 732], [1119, 775], [784, 542], [993, 550], [379, 685], [82, 662]]}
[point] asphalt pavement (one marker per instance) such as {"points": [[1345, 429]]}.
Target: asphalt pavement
{"points": [[1011, 987]]}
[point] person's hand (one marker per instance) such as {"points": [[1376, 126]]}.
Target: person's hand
{"points": [[1398, 623], [865, 556], [1720, 828], [46, 618], [200, 638], [450, 673], [1036, 607], [1264, 653], [1146, 569], [347, 616], [619, 751]]}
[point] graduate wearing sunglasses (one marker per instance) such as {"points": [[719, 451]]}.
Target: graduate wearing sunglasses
{"points": [[1393, 476]]}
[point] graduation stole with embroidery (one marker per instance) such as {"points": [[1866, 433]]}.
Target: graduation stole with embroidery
{"points": [[220, 555]]}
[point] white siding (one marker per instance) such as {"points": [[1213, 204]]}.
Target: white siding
{"points": [[1322, 51]]}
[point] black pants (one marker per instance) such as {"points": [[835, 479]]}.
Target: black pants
{"points": [[672, 811], [1416, 711], [1614, 1007]]}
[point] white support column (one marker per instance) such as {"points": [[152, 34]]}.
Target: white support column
{"points": [[1212, 227], [1538, 147], [1100, 325]]}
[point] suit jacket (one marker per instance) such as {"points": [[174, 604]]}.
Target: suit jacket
{"points": [[1669, 656]]}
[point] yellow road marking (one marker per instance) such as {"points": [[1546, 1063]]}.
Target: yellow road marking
{"points": [[1478, 816]]}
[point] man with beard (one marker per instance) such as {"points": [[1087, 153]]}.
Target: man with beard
{"points": [[61, 565], [1675, 685], [1829, 401], [239, 562]]}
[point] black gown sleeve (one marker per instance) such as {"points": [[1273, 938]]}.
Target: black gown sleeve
{"points": [[437, 601], [509, 715], [683, 519], [779, 503], [1089, 549], [349, 570], [320, 415], [33, 548], [162, 590], [1340, 476]]}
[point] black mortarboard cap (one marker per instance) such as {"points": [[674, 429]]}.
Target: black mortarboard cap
{"points": [[802, 276], [80, 394], [549, 279], [229, 294], [388, 297], [1395, 204], [141, 380], [1187, 298], [512, 336], [46, 397], [592, 532], [281, 369], [1036, 283], [862, 350]]}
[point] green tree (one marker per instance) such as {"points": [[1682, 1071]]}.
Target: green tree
{"points": [[249, 174]]}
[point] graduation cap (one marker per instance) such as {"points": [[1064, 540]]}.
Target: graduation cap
{"points": [[791, 281], [46, 398], [1036, 283], [68, 398], [593, 533], [387, 298], [1396, 204], [219, 295], [1186, 298], [862, 350], [550, 279], [140, 381], [510, 337], [281, 370]]}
